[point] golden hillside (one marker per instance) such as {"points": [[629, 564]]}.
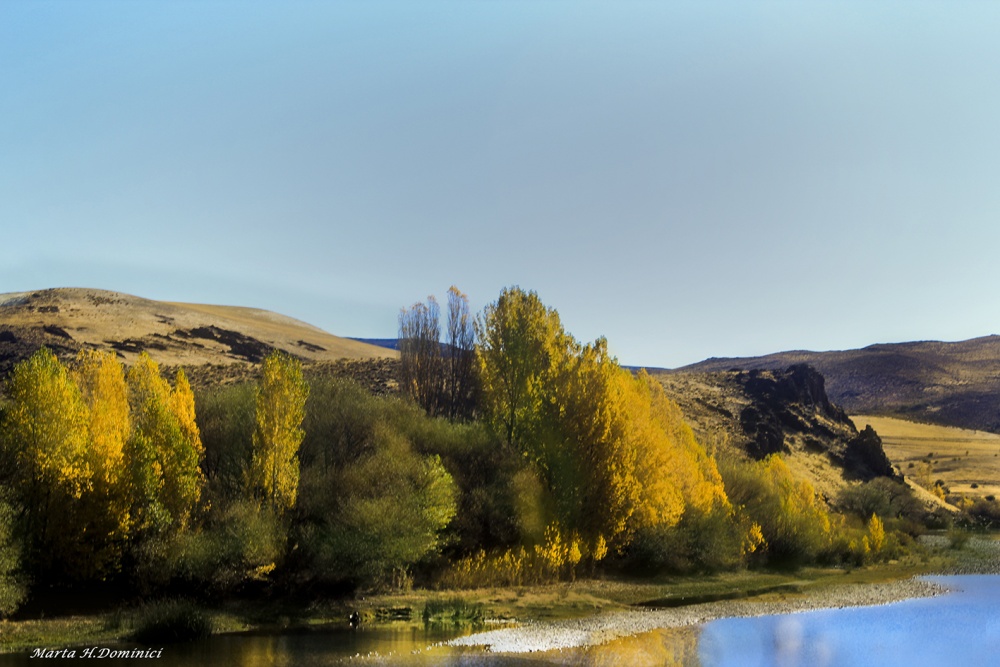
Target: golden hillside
{"points": [[174, 334]]}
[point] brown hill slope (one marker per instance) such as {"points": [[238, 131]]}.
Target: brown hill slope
{"points": [[174, 334], [955, 384]]}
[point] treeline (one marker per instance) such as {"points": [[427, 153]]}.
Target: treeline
{"points": [[516, 454]]}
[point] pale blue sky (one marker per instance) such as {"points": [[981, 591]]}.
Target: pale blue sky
{"points": [[688, 179]]}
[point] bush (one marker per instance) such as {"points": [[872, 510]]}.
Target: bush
{"points": [[984, 514], [368, 522], [12, 588], [882, 496], [795, 528], [240, 543], [701, 542], [171, 622]]}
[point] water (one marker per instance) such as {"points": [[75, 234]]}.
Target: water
{"points": [[962, 628]]}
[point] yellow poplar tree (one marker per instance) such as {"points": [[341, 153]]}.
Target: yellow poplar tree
{"points": [[165, 453], [106, 509], [280, 409], [46, 430], [592, 462], [190, 455]]}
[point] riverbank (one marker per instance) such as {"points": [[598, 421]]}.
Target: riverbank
{"points": [[978, 556], [601, 628]]}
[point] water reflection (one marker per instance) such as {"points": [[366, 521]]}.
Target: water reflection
{"points": [[407, 646], [962, 628]]}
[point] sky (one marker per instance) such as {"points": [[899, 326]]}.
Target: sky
{"points": [[687, 179]]}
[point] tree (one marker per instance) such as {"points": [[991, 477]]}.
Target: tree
{"points": [[519, 342], [613, 453], [421, 374], [164, 452], [45, 432], [380, 514], [106, 510], [461, 356], [280, 409], [590, 459]]}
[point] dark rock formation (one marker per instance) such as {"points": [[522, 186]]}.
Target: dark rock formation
{"points": [[866, 458], [790, 401]]}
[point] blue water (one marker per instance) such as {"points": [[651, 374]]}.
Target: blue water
{"points": [[961, 628]]}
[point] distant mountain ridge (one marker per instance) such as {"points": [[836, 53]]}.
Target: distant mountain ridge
{"points": [[176, 334], [954, 384]]}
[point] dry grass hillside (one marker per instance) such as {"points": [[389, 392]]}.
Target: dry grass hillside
{"points": [[174, 334], [954, 384], [926, 453]]}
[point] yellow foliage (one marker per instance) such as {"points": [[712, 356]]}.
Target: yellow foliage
{"points": [[165, 450], [281, 404], [101, 379], [182, 405], [876, 534], [753, 540], [107, 509], [613, 453], [675, 470], [47, 426], [554, 559]]}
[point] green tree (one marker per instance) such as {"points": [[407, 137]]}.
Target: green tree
{"points": [[520, 342], [369, 522], [12, 588], [280, 409]]}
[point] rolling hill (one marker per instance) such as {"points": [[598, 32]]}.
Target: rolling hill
{"points": [[174, 334], [953, 384]]}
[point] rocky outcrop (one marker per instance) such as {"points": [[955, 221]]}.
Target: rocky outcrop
{"points": [[789, 402], [866, 459]]}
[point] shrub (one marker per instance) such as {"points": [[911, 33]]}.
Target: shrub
{"points": [[882, 496], [12, 588], [795, 528], [171, 622], [239, 543]]}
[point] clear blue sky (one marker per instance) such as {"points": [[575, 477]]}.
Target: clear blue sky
{"points": [[688, 179]]}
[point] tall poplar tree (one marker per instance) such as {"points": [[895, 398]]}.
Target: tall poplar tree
{"points": [[164, 452], [105, 512], [520, 342], [45, 432], [280, 409]]}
